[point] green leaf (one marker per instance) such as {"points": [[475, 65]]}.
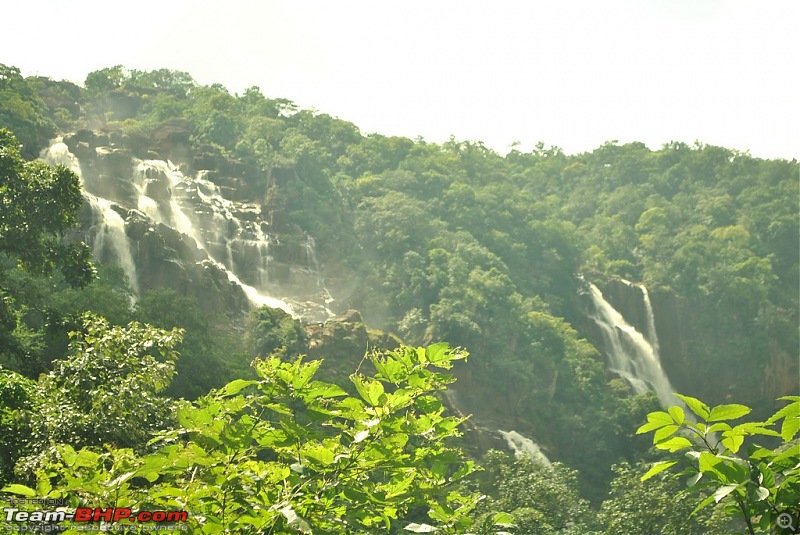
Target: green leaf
{"points": [[303, 372], [790, 427], [728, 412], [721, 426], [705, 503], [319, 454], [723, 491], [420, 528], [657, 468], [369, 389], [761, 494], [390, 369], [234, 387], [655, 420], [437, 355], [733, 442], [660, 417], [664, 432], [753, 428], [677, 414], [708, 463], [16, 488], [793, 409], [696, 406], [504, 520], [674, 444]]}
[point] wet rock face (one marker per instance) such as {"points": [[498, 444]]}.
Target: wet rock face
{"points": [[201, 231]]}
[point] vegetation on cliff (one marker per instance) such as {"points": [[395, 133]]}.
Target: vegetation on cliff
{"points": [[431, 241]]}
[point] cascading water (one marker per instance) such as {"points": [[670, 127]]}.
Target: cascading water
{"points": [[213, 231], [110, 243], [630, 354], [110, 235], [524, 447], [651, 321], [168, 196]]}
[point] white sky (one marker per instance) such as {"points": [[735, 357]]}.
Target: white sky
{"points": [[568, 73]]}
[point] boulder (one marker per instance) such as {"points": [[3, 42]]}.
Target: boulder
{"points": [[158, 188], [171, 139], [83, 151], [114, 162]]}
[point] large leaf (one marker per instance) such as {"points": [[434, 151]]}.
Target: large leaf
{"points": [[235, 386], [696, 406], [723, 491], [369, 389], [504, 520], [655, 420], [657, 468], [792, 409], [674, 444], [705, 503], [790, 427], [664, 432], [728, 412], [16, 488], [677, 414], [437, 355], [733, 442]]}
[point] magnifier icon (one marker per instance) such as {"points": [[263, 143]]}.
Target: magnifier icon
{"points": [[785, 521]]}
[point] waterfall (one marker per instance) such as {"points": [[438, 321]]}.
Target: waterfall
{"points": [[110, 235], [178, 200], [228, 235], [525, 447], [110, 242], [630, 354], [651, 321], [58, 154]]}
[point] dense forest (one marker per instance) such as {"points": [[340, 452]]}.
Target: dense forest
{"points": [[457, 305]]}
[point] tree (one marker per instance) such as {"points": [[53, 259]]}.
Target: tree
{"points": [[286, 453], [634, 507], [39, 205], [757, 487], [22, 110], [106, 390], [271, 330], [543, 500]]}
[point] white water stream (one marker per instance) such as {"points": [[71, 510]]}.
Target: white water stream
{"points": [[630, 354], [228, 233]]}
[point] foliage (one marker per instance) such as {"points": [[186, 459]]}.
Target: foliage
{"points": [[16, 392], [452, 241], [106, 390], [286, 453], [39, 205], [756, 486], [23, 111], [544, 500], [211, 355], [657, 506], [270, 330]]}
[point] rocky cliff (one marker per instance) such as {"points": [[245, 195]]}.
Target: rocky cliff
{"points": [[193, 221], [692, 335]]}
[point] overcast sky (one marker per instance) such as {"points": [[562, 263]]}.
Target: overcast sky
{"points": [[570, 74]]}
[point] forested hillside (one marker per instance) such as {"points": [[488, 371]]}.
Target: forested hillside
{"points": [[429, 242]]}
